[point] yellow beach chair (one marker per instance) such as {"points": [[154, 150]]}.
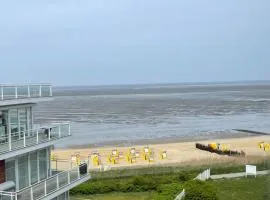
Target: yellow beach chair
{"points": [[163, 155], [95, 158], [146, 153], [131, 155], [76, 159]]}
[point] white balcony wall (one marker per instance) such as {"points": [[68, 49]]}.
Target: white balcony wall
{"points": [[11, 144], [9, 92]]}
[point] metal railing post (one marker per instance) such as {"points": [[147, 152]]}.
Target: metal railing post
{"points": [[9, 142], [69, 129], [16, 92], [2, 93], [32, 196], [49, 133], [50, 90], [57, 181], [24, 139], [45, 188], [37, 137], [68, 177], [79, 175], [28, 91], [59, 130], [40, 89]]}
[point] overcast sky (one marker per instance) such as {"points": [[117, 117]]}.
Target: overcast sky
{"points": [[87, 42]]}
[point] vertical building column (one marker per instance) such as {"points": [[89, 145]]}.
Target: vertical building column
{"points": [[9, 129], [32, 118], [48, 163], [29, 168], [19, 122], [28, 119], [17, 173], [67, 195], [49, 169], [38, 176]]}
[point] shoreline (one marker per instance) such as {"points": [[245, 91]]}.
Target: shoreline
{"points": [[153, 141]]}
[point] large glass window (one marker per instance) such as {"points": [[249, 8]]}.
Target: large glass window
{"points": [[13, 120], [10, 171], [3, 125], [43, 164], [23, 119], [31, 117], [20, 121], [23, 171], [34, 167]]}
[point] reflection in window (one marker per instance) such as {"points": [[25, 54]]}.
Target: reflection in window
{"points": [[34, 167], [23, 119], [13, 120], [10, 171], [3, 125], [23, 172], [43, 164]]}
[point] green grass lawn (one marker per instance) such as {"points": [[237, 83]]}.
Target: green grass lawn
{"points": [[148, 183], [243, 188], [227, 189], [116, 196]]}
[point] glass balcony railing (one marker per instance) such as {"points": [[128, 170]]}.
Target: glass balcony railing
{"points": [[8, 196], [11, 92], [50, 185], [24, 139]]}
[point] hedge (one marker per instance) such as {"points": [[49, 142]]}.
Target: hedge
{"points": [[130, 184], [198, 190], [168, 191]]}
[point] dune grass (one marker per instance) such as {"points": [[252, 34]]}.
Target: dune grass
{"points": [[157, 170]]}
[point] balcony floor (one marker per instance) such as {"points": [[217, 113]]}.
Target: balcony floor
{"points": [[24, 101]]}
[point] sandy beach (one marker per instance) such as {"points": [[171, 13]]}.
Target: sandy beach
{"points": [[182, 153]]}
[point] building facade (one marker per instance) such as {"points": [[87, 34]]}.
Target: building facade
{"points": [[25, 169]]}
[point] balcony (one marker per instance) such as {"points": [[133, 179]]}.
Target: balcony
{"points": [[52, 186], [26, 141], [14, 94]]}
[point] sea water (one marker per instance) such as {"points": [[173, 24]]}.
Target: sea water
{"points": [[131, 113]]}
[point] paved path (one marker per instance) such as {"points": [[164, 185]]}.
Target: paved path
{"points": [[236, 175]]}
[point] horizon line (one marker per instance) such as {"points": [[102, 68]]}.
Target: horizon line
{"points": [[166, 83]]}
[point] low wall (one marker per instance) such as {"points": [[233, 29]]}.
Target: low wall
{"points": [[181, 195], [205, 175]]}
